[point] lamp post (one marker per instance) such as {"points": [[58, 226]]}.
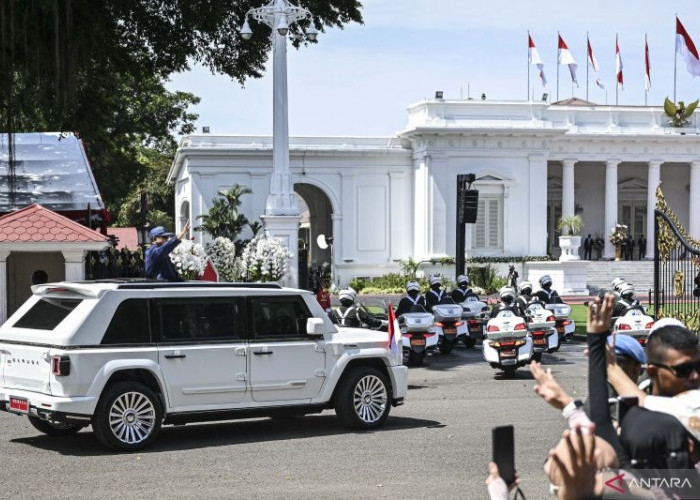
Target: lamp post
{"points": [[281, 217]]}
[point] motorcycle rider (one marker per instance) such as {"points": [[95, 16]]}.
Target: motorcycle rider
{"points": [[546, 294], [626, 300], [508, 301], [525, 295], [436, 293], [617, 284], [463, 290], [412, 298], [349, 313]]}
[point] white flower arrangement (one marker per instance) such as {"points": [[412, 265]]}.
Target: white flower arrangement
{"points": [[265, 259], [190, 259], [223, 254]]}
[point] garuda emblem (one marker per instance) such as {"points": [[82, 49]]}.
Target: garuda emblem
{"points": [[679, 113]]}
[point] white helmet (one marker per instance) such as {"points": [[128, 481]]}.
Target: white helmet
{"points": [[462, 279], [347, 293], [413, 285], [435, 280], [617, 284], [525, 285], [626, 289], [545, 280], [505, 293]]}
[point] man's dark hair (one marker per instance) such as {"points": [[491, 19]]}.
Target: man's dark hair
{"points": [[669, 337]]}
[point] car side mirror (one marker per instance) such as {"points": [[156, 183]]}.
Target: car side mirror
{"points": [[314, 326]]}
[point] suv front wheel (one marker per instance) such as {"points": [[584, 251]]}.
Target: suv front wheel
{"points": [[128, 416], [362, 400]]}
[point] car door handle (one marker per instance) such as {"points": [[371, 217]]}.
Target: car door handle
{"points": [[175, 356], [262, 353]]}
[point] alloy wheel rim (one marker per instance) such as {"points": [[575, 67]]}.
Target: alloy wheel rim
{"points": [[370, 398], [132, 417]]}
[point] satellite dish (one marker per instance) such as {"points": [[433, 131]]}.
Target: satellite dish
{"points": [[323, 241]]}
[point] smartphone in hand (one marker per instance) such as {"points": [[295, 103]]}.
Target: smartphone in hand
{"points": [[624, 403], [503, 452]]}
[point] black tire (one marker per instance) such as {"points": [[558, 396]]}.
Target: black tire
{"points": [[136, 417], [415, 358], [58, 429], [469, 342], [446, 347], [363, 399], [509, 372], [537, 356]]}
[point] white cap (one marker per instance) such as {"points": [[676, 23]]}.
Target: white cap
{"points": [[462, 279], [435, 280], [412, 285], [666, 322], [685, 407], [348, 293]]}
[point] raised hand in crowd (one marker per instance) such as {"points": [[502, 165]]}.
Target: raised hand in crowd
{"points": [[573, 464], [497, 487], [599, 313], [548, 388]]}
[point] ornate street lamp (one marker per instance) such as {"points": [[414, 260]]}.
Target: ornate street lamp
{"points": [[281, 217]]}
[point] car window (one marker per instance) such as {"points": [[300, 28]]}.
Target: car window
{"points": [[130, 324], [278, 317], [47, 314], [199, 319]]}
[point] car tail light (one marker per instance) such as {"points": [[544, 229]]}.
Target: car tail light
{"points": [[566, 322], [492, 328], [649, 325], [459, 323], [623, 326], [60, 366], [509, 343], [520, 326], [518, 343], [537, 334], [551, 318], [642, 341], [439, 324]]}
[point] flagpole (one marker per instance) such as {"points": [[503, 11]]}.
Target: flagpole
{"points": [[675, 60], [587, 57], [617, 82], [528, 65], [558, 66]]}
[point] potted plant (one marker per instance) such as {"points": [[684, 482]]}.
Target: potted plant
{"points": [[570, 241]]}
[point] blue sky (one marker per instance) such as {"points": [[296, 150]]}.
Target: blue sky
{"points": [[358, 81]]}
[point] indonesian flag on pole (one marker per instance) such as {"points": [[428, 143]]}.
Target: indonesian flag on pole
{"points": [[618, 67], [534, 57], [395, 344], [647, 73], [566, 58], [594, 64], [686, 48]]}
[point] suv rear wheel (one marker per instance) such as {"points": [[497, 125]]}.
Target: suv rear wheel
{"points": [[128, 416], [362, 401], [52, 428]]}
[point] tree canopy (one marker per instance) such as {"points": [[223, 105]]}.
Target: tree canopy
{"points": [[99, 68]]}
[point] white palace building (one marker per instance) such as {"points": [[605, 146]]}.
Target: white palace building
{"points": [[389, 198]]}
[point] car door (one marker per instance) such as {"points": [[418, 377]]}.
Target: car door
{"points": [[202, 351], [285, 363]]}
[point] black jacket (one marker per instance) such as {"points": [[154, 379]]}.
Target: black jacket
{"points": [[406, 303]]}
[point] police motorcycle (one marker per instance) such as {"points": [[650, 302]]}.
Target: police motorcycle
{"points": [[507, 343], [630, 317], [564, 325], [540, 324], [418, 334], [474, 311], [449, 324]]}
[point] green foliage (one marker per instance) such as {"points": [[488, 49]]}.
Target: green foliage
{"points": [[225, 218], [385, 284], [99, 68], [487, 278], [506, 260], [572, 224]]}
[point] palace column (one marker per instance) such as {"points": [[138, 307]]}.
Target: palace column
{"points": [[567, 188], [653, 179], [694, 201], [610, 205]]}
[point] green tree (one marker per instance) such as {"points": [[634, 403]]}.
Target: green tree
{"points": [[225, 218], [98, 67]]}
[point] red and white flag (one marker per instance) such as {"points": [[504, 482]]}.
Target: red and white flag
{"points": [[593, 62], [618, 66], [647, 67], [686, 48], [534, 58], [395, 343], [566, 58]]}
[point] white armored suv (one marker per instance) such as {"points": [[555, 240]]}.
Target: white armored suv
{"points": [[128, 357]]}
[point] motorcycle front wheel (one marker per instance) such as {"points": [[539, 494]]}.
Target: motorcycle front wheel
{"points": [[416, 358]]}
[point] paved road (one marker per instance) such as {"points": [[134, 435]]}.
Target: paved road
{"points": [[435, 446]]}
